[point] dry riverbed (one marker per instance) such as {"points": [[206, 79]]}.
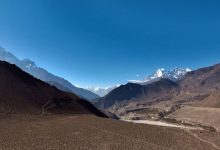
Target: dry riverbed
{"points": [[160, 123]]}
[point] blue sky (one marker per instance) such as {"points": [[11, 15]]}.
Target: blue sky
{"points": [[101, 43]]}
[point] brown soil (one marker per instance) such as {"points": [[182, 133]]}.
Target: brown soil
{"points": [[86, 132]]}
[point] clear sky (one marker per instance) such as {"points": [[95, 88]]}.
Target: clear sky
{"points": [[107, 42]]}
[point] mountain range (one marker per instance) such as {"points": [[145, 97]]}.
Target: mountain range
{"points": [[173, 74], [90, 93], [36, 115], [102, 91], [30, 67], [165, 93], [196, 88], [135, 92]]}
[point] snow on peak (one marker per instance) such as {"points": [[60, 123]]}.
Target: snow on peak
{"points": [[159, 73], [28, 63], [97, 89], [101, 91], [188, 70], [173, 74]]}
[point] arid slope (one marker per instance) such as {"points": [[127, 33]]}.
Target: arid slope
{"points": [[21, 93], [85, 132]]}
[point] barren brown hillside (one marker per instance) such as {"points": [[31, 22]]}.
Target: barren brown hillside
{"points": [[20, 93]]}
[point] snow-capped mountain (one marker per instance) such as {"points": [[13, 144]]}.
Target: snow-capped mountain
{"points": [[174, 75], [30, 67], [102, 91]]}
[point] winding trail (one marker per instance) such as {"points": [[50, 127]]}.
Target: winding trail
{"points": [[45, 107]]}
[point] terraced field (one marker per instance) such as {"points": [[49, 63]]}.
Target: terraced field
{"points": [[87, 132]]}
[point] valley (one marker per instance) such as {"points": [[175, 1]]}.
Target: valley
{"points": [[109, 75], [193, 100], [158, 116]]}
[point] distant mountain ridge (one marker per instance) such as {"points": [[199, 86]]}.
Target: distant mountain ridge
{"points": [[200, 87], [135, 92], [30, 67], [173, 75], [102, 91]]}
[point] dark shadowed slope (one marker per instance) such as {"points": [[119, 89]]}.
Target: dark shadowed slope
{"points": [[20, 93], [136, 92], [30, 67]]}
